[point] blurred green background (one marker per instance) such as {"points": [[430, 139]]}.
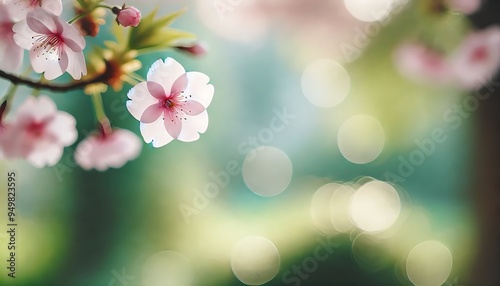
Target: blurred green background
{"points": [[88, 228]]}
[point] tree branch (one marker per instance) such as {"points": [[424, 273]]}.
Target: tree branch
{"points": [[53, 87]]}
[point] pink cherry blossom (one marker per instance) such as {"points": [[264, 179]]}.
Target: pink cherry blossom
{"points": [[10, 53], [38, 132], [465, 6], [21, 8], [129, 16], [477, 59], [101, 151], [54, 46], [422, 64], [194, 49], [171, 104]]}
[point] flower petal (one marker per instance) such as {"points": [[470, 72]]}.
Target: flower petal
{"points": [[47, 22], [64, 125], [76, 63], [192, 107], [179, 85], [165, 73], [152, 113], [199, 89], [36, 25], [140, 99], [54, 6], [156, 90], [155, 133], [173, 124], [73, 38], [192, 126]]}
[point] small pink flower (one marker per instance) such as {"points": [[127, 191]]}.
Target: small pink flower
{"points": [[477, 59], [38, 132], [464, 6], [128, 16], [21, 8], [54, 46], [11, 54], [171, 104], [101, 151], [421, 64]]}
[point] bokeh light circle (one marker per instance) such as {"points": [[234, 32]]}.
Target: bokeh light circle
{"points": [[267, 171], [321, 208], [255, 260], [369, 10], [375, 206], [339, 208], [429, 263], [325, 83], [167, 268], [361, 139]]}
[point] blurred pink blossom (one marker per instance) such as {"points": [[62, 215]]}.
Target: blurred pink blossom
{"points": [[477, 59], [11, 54], [101, 151], [21, 8], [195, 49], [422, 64], [54, 46], [129, 16], [171, 104], [38, 132]]}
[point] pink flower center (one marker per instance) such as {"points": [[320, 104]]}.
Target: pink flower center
{"points": [[479, 54], [6, 29], [36, 128], [51, 44]]}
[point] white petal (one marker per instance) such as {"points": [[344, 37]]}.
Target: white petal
{"points": [[193, 126], [53, 6], [23, 35], [44, 61], [140, 100], [76, 63], [155, 132], [165, 73], [63, 126], [198, 88], [37, 108], [45, 155]]}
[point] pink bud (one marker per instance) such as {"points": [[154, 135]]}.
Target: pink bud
{"points": [[128, 16], [197, 49]]}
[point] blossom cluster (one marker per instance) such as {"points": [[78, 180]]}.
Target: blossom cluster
{"points": [[170, 105]]}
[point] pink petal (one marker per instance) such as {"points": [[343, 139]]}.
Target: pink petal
{"points": [[192, 107], [140, 99], [76, 64], [152, 113], [156, 90], [179, 85], [73, 39], [165, 73], [54, 6], [47, 20], [36, 26], [173, 124]]}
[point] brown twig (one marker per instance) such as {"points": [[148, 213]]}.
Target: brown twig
{"points": [[53, 87]]}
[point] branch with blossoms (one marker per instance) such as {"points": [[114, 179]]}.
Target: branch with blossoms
{"points": [[170, 103]]}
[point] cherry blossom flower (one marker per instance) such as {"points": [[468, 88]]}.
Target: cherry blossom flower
{"points": [[21, 8], [422, 64], [477, 59], [128, 16], [104, 150], [10, 53], [38, 132], [171, 104], [194, 49], [54, 46]]}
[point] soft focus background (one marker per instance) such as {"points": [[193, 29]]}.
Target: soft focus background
{"points": [[322, 165]]}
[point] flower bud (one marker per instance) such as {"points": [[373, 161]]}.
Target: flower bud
{"points": [[127, 16]]}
